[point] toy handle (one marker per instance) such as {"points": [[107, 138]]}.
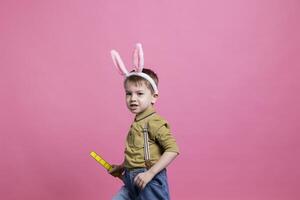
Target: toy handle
{"points": [[103, 162]]}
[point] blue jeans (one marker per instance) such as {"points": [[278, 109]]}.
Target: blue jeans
{"points": [[156, 189]]}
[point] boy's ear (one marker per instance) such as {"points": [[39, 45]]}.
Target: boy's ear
{"points": [[154, 98]]}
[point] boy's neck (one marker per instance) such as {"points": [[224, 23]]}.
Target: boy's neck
{"points": [[147, 112]]}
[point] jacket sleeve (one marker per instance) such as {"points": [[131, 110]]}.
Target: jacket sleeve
{"points": [[160, 130]]}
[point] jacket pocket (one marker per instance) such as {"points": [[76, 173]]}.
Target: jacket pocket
{"points": [[135, 138]]}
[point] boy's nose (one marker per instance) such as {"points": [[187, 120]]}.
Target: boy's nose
{"points": [[133, 98]]}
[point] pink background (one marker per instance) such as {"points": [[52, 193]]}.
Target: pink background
{"points": [[230, 82]]}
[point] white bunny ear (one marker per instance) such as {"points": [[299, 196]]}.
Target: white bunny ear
{"points": [[118, 62], [138, 58]]}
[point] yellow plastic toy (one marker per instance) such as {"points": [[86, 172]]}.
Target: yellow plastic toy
{"points": [[104, 163], [101, 161]]}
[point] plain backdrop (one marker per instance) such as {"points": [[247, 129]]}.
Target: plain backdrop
{"points": [[229, 86]]}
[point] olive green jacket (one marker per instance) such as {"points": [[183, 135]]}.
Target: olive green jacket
{"points": [[160, 139]]}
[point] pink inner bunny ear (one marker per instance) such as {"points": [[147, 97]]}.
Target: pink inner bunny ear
{"points": [[118, 62], [138, 58], [135, 59]]}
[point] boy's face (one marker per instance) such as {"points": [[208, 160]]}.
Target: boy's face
{"points": [[138, 97]]}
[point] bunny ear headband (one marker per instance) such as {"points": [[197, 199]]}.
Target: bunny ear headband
{"points": [[138, 64]]}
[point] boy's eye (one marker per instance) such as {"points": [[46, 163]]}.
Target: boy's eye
{"points": [[140, 93], [128, 93]]}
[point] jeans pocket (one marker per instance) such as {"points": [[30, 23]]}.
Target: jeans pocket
{"points": [[156, 183], [160, 179]]}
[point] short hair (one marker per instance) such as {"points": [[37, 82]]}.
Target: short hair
{"points": [[139, 80]]}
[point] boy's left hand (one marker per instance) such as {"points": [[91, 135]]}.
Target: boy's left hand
{"points": [[142, 179]]}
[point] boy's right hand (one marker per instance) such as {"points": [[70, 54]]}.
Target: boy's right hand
{"points": [[117, 171]]}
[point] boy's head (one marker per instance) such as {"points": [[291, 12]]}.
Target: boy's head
{"points": [[138, 80], [140, 84], [139, 92]]}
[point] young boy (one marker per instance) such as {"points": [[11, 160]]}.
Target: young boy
{"points": [[150, 146]]}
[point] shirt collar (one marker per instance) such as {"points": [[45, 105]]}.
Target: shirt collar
{"points": [[149, 111]]}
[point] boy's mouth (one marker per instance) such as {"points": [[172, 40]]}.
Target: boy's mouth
{"points": [[133, 106]]}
